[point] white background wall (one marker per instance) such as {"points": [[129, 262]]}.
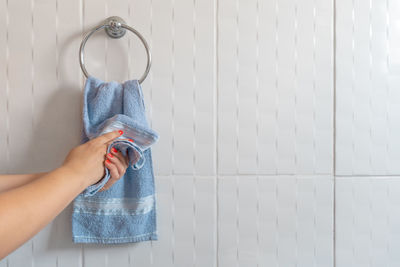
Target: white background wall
{"points": [[279, 125]]}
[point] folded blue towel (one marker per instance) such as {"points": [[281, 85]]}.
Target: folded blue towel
{"points": [[126, 212]]}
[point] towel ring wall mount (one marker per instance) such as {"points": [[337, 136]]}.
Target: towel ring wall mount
{"points": [[115, 27]]}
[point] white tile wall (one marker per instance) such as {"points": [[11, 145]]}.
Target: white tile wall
{"points": [[263, 107], [275, 89], [368, 68], [275, 221], [367, 221]]}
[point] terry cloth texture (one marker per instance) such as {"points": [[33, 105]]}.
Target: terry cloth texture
{"points": [[126, 212]]}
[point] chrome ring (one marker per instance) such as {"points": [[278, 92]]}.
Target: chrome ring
{"points": [[115, 28]]}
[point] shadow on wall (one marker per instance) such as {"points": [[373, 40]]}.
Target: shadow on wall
{"points": [[57, 118], [57, 129]]}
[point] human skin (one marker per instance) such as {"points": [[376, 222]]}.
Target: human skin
{"points": [[31, 201], [116, 163]]}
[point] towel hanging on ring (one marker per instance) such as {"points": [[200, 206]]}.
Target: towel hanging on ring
{"points": [[126, 212]]}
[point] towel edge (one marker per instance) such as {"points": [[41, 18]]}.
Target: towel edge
{"points": [[129, 239]]}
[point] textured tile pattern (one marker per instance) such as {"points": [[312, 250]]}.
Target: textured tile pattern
{"points": [[275, 87], [244, 95], [275, 221], [368, 121], [367, 221]]}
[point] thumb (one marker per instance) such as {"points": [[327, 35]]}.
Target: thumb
{"points": [[107, 137]]}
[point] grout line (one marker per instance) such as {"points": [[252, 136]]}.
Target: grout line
{"points": [[314, 145], [258, 217], [387, 81], [82, 18], [216, 126], [8, 88], [173, 129], [151, 71], [370, 89], [387, 223], [314, 222], [237, 89], [296, 222], [314, 83], [32, 63], [353, 84], [276, 85], [194, 225], [173, 86], [81, 77], [173, 220], [194, 85], [106, 45], [237, 191], [353, 247], [129, 42], [237, 131], [194, 81], [296, 89], [282, 176], [334, 131], [370, 219], [32, 100], [276, 252], [368, 175], [295, 83], [57, 71], [151, 115], [370, 131], [57, 83]]}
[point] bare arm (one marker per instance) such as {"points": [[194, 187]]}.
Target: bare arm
{"points": [[26, 209], [11, 181]]}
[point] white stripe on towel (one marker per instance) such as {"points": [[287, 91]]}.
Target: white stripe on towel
{"points": [[114, 206]]}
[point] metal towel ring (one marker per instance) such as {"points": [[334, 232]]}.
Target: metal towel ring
{"points": [[115, 28]]}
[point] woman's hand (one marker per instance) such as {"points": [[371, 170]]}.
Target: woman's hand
{"points": [[87, 160], [117, 165]]}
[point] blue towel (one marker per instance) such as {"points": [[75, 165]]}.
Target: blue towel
{"points": [[126, 212]]}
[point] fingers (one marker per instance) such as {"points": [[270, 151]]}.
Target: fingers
{"points": [[116, 162], [119, 161], [117, 165], [107, 137], [113, 173], [120, 156]]}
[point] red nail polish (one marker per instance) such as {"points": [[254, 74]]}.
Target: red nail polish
{"points": [[120, 132], [108, 161], [110, 155], [130, 140], [114, 150]]}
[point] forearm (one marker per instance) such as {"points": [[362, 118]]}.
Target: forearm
{"points": [[25, 210], [11, 181]]}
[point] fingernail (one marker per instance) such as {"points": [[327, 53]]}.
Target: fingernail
{"points": [[110, 155], [108, 161], [130, 140], [120, 132], [114, 150]]}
